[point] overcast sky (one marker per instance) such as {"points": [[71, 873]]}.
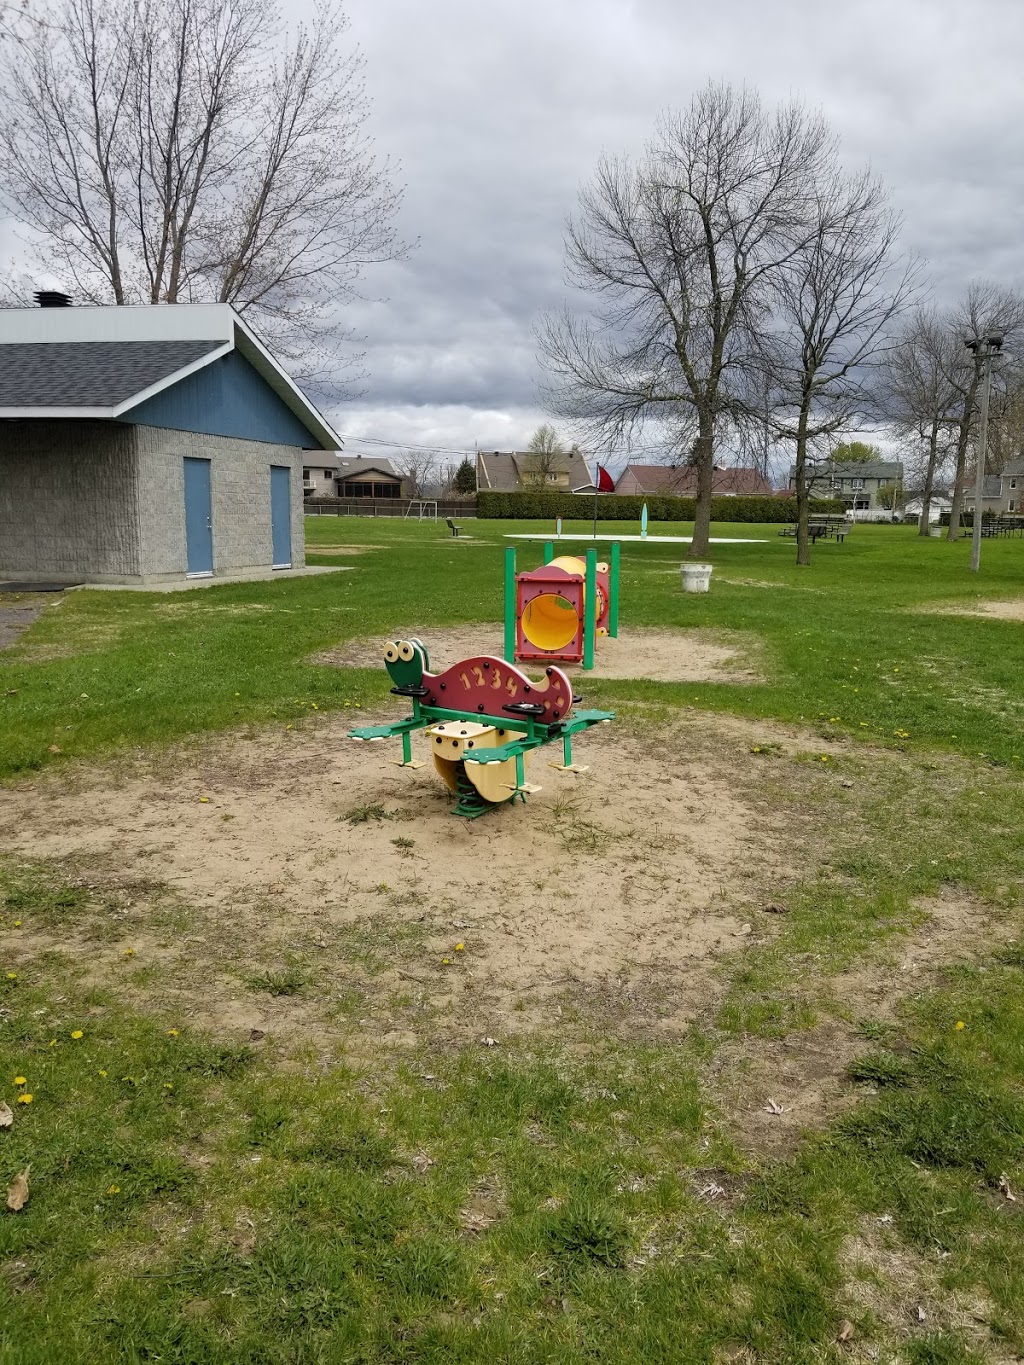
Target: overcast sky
{"points": [[498, 110]]}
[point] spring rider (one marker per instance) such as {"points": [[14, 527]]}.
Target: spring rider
{"points": [[482, 716]]}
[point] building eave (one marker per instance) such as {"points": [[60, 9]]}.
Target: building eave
{"points": [[168, 381]]}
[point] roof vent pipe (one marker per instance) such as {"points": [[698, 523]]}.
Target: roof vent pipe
{"points": [[52, 298]]}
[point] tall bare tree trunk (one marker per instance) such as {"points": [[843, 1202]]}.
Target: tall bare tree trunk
{"points": [[704, 462], [962, 441], [803, 500], [929, 478]]}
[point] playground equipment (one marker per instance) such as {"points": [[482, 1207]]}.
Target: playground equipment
{"points": [[556, 612], [483, 716]]}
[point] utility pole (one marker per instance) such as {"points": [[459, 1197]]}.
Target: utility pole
{"points": [[985, 350]]}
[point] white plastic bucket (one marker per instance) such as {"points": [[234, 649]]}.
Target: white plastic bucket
{"points": [[696, 577]]}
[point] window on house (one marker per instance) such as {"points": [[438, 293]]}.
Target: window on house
{"points": [[1013, 505], [858, 483], [1013, 483], [328, 473]]}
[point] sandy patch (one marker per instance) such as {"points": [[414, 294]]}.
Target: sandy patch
{"points": [[1001, 611], [612, 891], [657, 655]]}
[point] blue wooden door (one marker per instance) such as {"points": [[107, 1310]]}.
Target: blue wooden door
{"points": [[281, 515], [198, 517]]}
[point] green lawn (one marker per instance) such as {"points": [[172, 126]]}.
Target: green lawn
{"points": [[578, 1197], [843, 637]]}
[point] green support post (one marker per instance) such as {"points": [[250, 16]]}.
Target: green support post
{"points": [[549, 552], [613, 593], [406, 749], [567, 751], [590, 610], [510, 603]]}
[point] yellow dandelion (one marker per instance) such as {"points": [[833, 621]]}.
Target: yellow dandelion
{"points": [[20, 1080], [204, 800], [12, 976], [173, 1032], [103, 1073], [168, 1086], [77, 1033], [17, 924], [960, 1025], [446, 962], [25, 1099], [460, 947], [53, 1042], [113, 1189], [129, 952]]}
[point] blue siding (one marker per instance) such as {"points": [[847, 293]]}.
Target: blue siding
{"points": [[227, 398]]}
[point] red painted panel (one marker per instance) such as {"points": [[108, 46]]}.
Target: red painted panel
{"points": [[484, 685]]}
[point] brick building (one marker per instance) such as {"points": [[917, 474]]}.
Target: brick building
{"points": [[147, 445]]}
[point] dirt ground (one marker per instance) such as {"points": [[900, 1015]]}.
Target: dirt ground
{"points": [[657, 655], [17, 612], [622, 885], [1001, 611]]}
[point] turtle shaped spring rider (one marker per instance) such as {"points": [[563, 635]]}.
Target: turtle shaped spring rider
{"points": [[482, 716]]}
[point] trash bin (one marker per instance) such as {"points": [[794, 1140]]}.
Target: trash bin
{"points": [[696, 577]]}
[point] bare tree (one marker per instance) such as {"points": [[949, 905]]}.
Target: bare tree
{"points": [[679, 249], [1006, 418], [834, 301], [419, 470], [984, 309], [917, 395], [160, 151], [547, 456]]}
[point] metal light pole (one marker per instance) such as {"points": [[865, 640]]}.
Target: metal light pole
{"points": [[985, 350]]}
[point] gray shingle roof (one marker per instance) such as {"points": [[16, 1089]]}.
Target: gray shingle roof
{"points": [[89, 374], [509, 471], [352, 467]]}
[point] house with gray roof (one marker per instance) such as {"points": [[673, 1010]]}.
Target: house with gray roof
{"points": [[149, 444], [523, 471], [854, 482]]}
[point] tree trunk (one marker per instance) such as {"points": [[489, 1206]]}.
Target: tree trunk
{"points": [[929, 478], [803, 535], [963, 437], [704, 461]]}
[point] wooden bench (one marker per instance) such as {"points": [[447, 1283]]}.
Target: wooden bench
{"points": [[821, 528]]}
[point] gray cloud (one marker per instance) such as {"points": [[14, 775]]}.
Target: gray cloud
{"points": [[497, 111]]}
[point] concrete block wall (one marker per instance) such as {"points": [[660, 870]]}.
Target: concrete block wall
{"points": [[69, 501], [240, 495]]}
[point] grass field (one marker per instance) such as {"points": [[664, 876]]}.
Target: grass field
{"points": [[823, 1162]]}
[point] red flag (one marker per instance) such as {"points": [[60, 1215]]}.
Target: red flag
{"points": [[605, 482]]}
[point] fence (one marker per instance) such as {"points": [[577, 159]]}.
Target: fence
{"points": [[387, 507]]}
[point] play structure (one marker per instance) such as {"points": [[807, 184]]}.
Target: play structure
{"points": [[556, 612], [482, 716]]}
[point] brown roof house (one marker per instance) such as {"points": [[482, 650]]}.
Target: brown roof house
{"points": [[680, 480], [351, 477], [521, 471]]}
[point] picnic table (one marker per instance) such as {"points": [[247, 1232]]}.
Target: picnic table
{"points": [[822, 528]]}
